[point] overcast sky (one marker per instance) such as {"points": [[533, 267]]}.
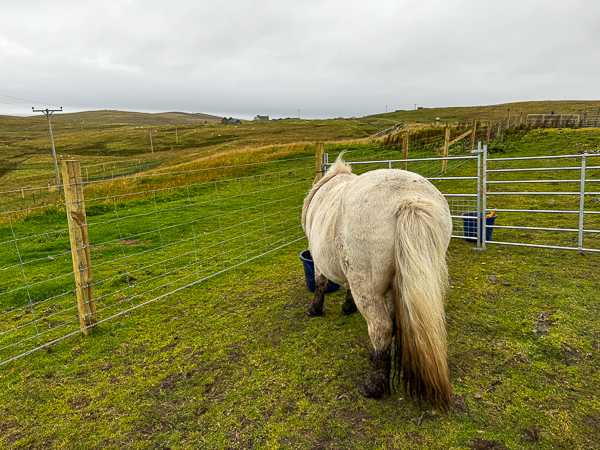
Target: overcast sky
{"points": [[319, 58]]}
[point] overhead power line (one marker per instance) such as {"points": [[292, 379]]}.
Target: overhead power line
{"points": [[14, 104], [25, 100]]}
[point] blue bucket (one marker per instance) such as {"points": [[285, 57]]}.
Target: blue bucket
{"points": [[309, 272], [470, 226]]}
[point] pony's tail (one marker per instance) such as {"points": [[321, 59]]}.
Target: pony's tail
{"points": [[340, 166], [420, 285]]}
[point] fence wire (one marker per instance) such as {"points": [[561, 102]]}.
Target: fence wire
{"points": [[460, 192], [143, 245]]}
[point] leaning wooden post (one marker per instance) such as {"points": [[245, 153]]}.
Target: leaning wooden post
{"points": [[319, 150], [80, 247], [473, 132], [446, 149], [405, 150]]}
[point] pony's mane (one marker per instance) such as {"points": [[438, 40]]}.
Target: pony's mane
{"points": [[339, 167]]}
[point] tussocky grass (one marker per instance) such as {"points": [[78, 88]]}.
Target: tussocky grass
{"points": [[236, 363]]}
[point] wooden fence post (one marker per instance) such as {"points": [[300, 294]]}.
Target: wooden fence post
{"points": [[319, 150], [405, 150], [80, 247], [473, 132], [489, 132], [446, 148]]}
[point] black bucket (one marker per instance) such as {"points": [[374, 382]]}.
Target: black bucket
{"points": [[470, 226], [309, 272]]}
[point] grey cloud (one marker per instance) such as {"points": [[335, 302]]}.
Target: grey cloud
{"points": [[273, 57]]}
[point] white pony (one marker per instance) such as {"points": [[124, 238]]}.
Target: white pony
{"points": [[386, 231]]}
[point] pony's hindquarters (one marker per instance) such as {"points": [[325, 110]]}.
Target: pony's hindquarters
{"points": [[420, 282]]}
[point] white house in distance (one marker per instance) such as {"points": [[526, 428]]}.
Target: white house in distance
{"points": [[261, 117]]}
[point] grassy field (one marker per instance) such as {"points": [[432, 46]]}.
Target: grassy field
{"points": [[234, 361], [116, 149], [114, 143]]}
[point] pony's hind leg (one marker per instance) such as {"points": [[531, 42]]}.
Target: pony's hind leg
{"points": [[381, 329], [316, 308], [349, 306], [377, 384]]}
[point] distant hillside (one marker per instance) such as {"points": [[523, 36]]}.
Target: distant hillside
{"points": [[101, 119], [425, 115], [490, 112], [137, 118]]}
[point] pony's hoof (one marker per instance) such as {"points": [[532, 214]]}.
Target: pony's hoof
{"points": [[313, 312], [347, 310], [376, 385]]}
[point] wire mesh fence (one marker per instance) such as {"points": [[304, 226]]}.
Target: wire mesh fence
{"points": [[148, 236], [460, 192], [425, 156], [144, 243]]}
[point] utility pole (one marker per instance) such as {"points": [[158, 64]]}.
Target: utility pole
{"points": [[48, 112]]}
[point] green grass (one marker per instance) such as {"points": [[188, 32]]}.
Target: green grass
{"points": [[234, 361]]}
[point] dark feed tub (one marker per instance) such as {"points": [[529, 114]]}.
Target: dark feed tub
{"points": [[470, 226], [309, 272]]}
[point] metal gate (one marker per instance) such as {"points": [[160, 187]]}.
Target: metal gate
{"points": [[570, 200], [591, 117]]}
